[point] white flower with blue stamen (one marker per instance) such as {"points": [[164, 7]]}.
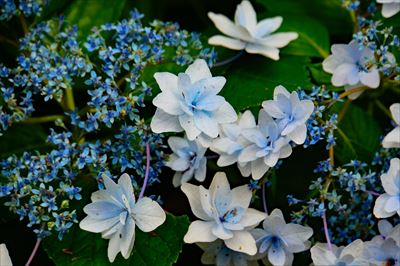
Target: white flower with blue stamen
{"points": [[224, 214], [351, 255], [278, 240], [290, 112], [389, 7], [188, 160], [392, 139], [189, 102], [231, 143], [5, 259], [388, 204], [114, 213], [267, 147]]}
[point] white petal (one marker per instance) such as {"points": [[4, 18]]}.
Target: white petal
{"points": [[279, 40], [5, 259], [221, 192], [178, 164], [254, 135], [200, 231], [102, 210], [225, 160], [395, 110], [339, 77], [241, 197], [198, 70], [379, 208], [321, 256], [242, 241], [252, 217], [270, 52], [169, 103], [193, 195], [258, 168], [390, 9], [392, 139], [167, 81], [187, 123], [384, 227], [213, 85], [299, 134], [389, 182], [176, 144], [370, 79], [247, 120], [249, 154], [227, 27], [221, 232], [125, 183], [113, 247], [127, 238], [225, 114], [267, 26], [296, 237], [163, 122], [227, 42], [392, 204], [200, 173], [276, 256], [245, 15], [97, 226], [148, 214], [206, 123]]}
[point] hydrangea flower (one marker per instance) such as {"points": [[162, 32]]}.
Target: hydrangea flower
{"points": [[231, 143], [267, 147], [351, 255], [224, 214], [279, 240], [388, 203], [187, 160], [290, 113], [245, 33], [352, 66], [392, 139], [216, 253], [114, 213], [5, 259], [389, 7], [189, 102]]}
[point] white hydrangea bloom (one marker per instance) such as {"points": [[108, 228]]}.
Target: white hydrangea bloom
{"points": [[188, 160], [231, 142], [189, 102], [245, 33], [392, 139], [5, 259], [267, 147], [351, 255], [389, 7], [388, 203], [114, 213], [290, 113], [224, 214], [279, 240], [351, 67], [216, 253], [386, 230]]}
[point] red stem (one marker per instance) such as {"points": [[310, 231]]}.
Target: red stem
{"points": [[328, 240], [35, 249]]}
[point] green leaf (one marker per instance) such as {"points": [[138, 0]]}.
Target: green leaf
{"points": [[82, 248], [87, 14], [358, 136], [252, 79]]}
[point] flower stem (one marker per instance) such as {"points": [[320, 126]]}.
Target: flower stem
{"points": [[373, 193], [146, 175], [35, 249], [229, 60], [345, 94], [264, 199], [42, 119], [69, 102], [328, 240]]}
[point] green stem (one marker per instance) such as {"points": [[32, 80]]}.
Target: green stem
{"points": [[383, 108], [69, 102], [43, 119]]}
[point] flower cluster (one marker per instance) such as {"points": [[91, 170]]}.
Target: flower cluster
{"points": [[10, 8]]}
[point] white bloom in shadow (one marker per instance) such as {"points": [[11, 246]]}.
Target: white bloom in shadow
{"points": [[392, 139], [114, 213], [189, 102], [5, 259], [388, 203], [279, 240], [231, 143], [188, 160], [267, 147], [351, 255], [352, 67], [245, 33], [224, 214], [290, 112], [217, 253], [389, 7]]}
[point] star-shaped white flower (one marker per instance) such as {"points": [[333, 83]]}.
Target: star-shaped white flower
{"points": [[290, 113], [224, 214], [5, 259], [392, 139], [114, 213], [189, 102], [389, 7], [231, 142], [388, 203], [245, 33], [352, 66], [279, 240], [217, 253], [187, 160], [351, 255], [267, 147]]}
